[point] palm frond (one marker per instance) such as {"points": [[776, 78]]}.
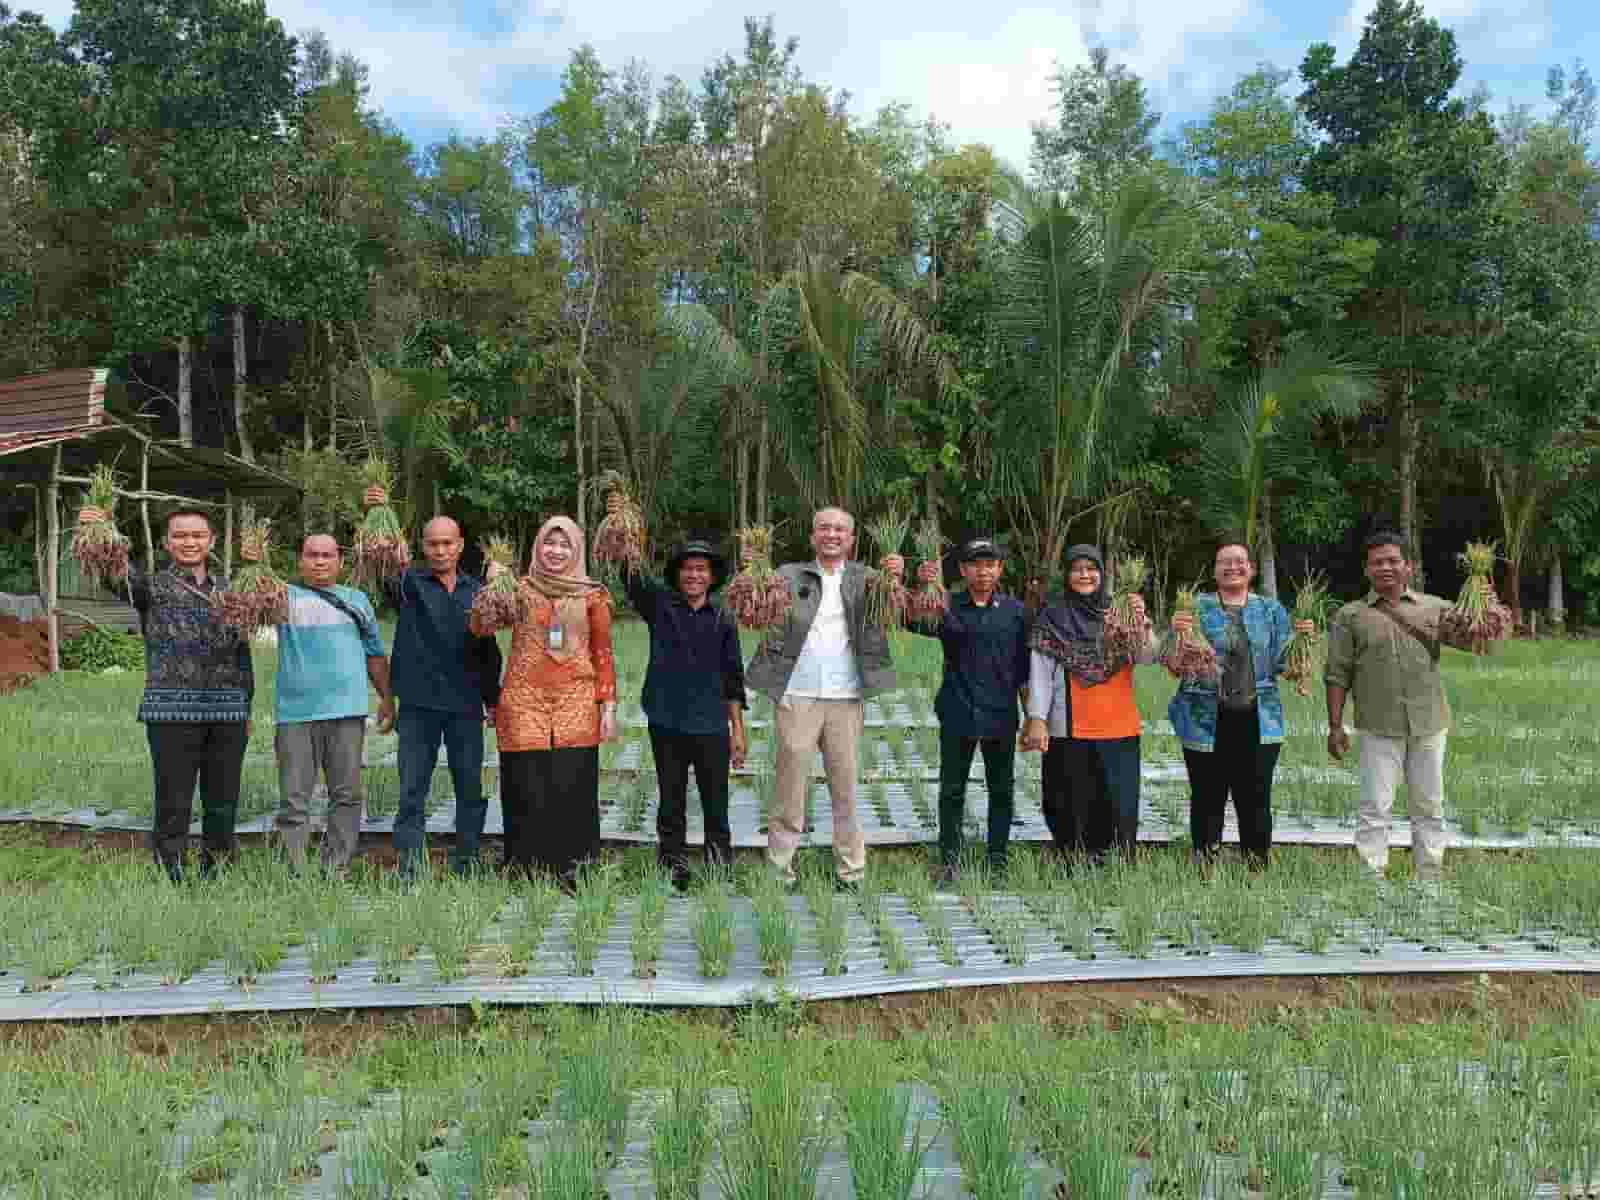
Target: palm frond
{"points": [[1263, 431]]}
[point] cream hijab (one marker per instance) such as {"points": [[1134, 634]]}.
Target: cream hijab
{"points": [[570, 590]]}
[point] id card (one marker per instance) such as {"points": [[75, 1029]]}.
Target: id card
{"points": [[557, 636]]}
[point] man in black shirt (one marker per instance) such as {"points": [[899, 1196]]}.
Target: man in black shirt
{"points": [[985, 637], [448, 683], [694, 700]]}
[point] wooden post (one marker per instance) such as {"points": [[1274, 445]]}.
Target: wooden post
{"points": [[144, 510], [52, 562], [39, 567], [227, 533]]}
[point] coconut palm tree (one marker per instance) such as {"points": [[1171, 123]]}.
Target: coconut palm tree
{"points": [[657, 392], [1262, 433], [1089, 301], [855, 336]]}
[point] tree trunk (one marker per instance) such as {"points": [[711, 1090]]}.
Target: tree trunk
{"points": [[144, 511], [185, 391], [1267, 579], [331, 367], [52, 562], [577, 441], [1406, 459], [741, 462], [308, 439], [761, 469], [1558, 595], [241, 399], [1513, 595]]}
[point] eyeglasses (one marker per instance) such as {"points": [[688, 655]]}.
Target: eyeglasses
{"points": [[1086, 570]]}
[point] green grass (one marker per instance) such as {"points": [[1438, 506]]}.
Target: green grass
{"points": [[1523, 756], [1491, 1105], [127, 919]]}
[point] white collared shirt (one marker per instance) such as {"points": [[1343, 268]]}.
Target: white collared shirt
{"points": [[826, 668]]}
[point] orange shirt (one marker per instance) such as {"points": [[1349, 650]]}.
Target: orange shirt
{"points": [[548, 703], [1107, 711]]}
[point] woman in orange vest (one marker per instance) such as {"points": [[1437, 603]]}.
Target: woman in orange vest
{"points": [[1082, 715]]}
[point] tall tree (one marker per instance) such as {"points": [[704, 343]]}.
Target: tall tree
{"points": [[1091, 302], [1415, 168], [846, 327], [1101, 132]]}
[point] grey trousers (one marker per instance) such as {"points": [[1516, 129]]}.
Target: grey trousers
{"points": [[331, 749]]}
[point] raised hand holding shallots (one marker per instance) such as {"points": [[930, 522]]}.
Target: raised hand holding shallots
{"points": [[930, 600], [887, 597], [382, 550], [1310, 607], [500, 604], [1188, 654], [256, 596], [1478, 619], [620, 536], [1127, 628], [757, 597], [101, 550]]}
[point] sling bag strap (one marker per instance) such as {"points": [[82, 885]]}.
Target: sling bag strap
{"points": [[1431, 645], [355, 614]]}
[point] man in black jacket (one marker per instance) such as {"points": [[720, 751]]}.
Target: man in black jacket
{"points": [[448, 683], [985, 638], [694, 700]]}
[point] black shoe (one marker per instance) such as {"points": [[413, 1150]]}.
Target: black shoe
{"points": [[849, 886]]}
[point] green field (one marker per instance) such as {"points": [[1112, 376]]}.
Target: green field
{"points": [[1479, 1086], [775, 1103], [1523, 754]]}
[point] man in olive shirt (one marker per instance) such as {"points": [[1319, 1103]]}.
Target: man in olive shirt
{"points": [[1384, 651]]}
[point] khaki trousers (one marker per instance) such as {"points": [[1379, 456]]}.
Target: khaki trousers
{"points": [[332, 750], [1384, 762], [802, 726]]}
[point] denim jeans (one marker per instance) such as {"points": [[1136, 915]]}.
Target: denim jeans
{"points": [[421, 731]]}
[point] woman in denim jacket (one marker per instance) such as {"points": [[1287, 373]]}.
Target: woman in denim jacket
{"points": [[1232, 727]]}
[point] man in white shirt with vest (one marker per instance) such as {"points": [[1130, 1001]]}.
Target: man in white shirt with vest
{"points": [[819, 667]]}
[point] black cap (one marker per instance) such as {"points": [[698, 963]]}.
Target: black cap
{"points": [[980, 547], [697, 548]]}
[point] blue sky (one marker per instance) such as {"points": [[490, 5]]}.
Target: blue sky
{"points": [[467, 66]]}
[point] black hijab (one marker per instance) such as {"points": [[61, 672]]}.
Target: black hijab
{"points": [[1072, 631]]}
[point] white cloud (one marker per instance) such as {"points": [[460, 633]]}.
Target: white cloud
{"points": [[1486, 30], [986, 70]]}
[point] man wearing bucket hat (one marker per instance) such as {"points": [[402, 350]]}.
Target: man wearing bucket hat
{"points": [[693, 699], [985, 638]]}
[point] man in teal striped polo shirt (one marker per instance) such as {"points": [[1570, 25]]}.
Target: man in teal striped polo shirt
{"points": [[327, 654]]}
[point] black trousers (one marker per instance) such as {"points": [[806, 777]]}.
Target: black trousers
{"points": [[1239, 766], [551, 803], [1090, 794], [709, 755], [182, 752], [999, 772]]}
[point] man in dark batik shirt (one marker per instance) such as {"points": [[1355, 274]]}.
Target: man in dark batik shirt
{"points": [[199, 685]]}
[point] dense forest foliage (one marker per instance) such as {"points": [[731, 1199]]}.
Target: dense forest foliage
{"points": [[1351, 295]]}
